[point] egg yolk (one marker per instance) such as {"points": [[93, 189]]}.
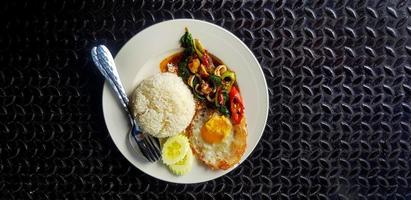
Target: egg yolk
{"points": [[216, 129]]}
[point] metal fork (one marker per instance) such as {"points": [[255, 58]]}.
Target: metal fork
{"points": [[103, 59]]}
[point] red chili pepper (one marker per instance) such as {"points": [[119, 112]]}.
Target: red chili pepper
{"points": [[205, 60], [236, 105]]}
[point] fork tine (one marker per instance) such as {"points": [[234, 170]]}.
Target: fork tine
{"points": [[153, 146], [149, 153], [143, 146], [144, 151], [155, 143], [150, 149], [157, 146]]}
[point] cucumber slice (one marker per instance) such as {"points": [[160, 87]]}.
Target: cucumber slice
{"points": [[183, 166], [175, 149]]}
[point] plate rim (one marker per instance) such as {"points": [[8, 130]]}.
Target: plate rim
{"points": [[105, 85]]}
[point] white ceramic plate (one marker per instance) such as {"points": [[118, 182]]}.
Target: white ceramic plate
{"points": [[140, 57]]}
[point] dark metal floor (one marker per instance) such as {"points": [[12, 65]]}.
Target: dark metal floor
{"points": [[339, 77]]}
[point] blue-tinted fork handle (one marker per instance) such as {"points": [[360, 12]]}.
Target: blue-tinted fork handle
{"points": [[105, 64]]}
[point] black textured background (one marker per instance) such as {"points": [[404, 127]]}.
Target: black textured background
{"points": [[339, 80]]}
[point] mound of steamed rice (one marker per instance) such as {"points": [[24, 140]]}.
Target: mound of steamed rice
{"points": [[162, 105]]}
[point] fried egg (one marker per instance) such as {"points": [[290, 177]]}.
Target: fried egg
{"points": [[215, 140]]}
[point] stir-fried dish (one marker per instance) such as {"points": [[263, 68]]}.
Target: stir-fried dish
{"points": [[217, 133], [210, 81]]}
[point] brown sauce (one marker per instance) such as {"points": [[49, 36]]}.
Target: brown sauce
{"points": [[173, 59]]}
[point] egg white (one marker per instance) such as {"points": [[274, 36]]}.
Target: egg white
{"points": [[211, 154]]}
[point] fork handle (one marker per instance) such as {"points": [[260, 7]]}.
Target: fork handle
{"points": [[105, 64]]}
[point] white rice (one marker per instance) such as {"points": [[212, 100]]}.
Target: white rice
{"points": [[162, 105]]}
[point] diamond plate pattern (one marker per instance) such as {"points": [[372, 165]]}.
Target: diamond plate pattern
{"points": [[339, 80]]}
